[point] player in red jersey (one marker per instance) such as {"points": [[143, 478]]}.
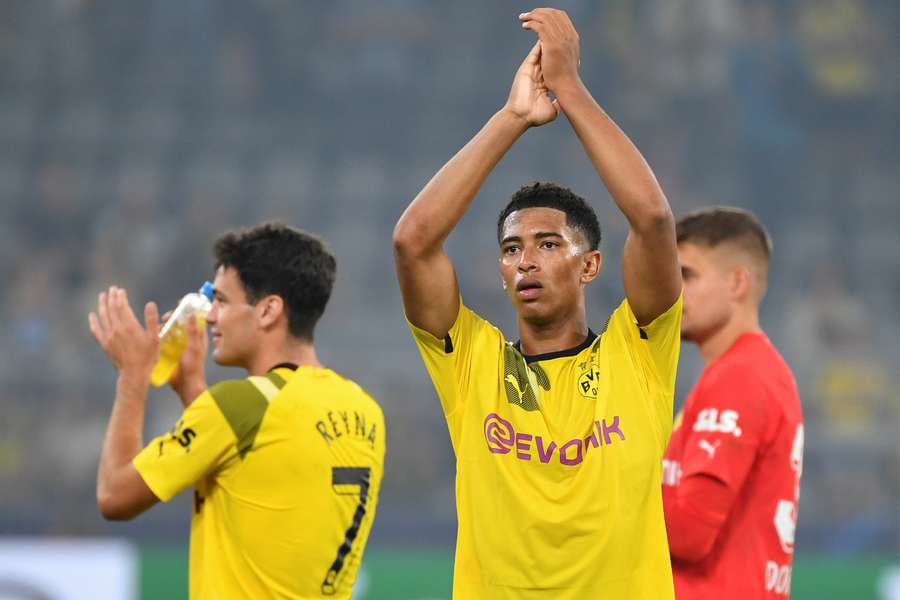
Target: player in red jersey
{"points": [[731, 473]]}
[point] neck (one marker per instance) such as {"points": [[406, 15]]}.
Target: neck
{"points": [[553, 336], [299, 352], [718, 343]]}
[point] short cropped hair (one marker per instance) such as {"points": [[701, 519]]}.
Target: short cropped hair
{"points": [[579, 214], [275, 259], [724, 224]]}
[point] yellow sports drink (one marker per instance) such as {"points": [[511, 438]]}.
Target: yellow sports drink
{"points": [[173, 335]]}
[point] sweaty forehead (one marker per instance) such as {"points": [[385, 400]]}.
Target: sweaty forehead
{"points": [[527, 221]]}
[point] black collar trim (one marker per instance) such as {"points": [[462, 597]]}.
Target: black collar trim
{"points": [[591, 336], [285, 365]]}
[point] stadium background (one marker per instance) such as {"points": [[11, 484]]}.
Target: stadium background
{"points": [[131, 133]]}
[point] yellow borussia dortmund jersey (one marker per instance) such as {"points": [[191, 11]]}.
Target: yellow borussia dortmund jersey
{"points": [[558, 459], [287, 469]]}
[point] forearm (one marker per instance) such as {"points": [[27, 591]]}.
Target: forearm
{"points": [[124, 434], [441, 204], [695, 512], [626, 174], [189, 392]]}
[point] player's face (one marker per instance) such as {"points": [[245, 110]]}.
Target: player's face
{"points": [[542, 264], [707, 292], [232, 321]]}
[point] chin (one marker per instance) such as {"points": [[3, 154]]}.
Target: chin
{"points": [[534, 314], [222, 359]]}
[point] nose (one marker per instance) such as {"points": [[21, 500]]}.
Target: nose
{"points": [[213, 313], [526, 261]]}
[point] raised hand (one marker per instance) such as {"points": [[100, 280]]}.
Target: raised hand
{"points": [[131, 347], [528, 98], [559, 45]]}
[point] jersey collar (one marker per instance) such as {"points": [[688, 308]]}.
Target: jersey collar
{"points": [[285, 365], [591, 336]]}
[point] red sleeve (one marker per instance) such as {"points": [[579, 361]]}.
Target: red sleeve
{"points": [[695, 511], [720, 446]]}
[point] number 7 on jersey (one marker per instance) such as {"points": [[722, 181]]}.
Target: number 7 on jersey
{"points": [[343, 478]]}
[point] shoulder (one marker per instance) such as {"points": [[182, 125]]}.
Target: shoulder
{"points": [[731, 370], [752, 362], [737, 383], [469, 330], [624, 322], [232, 394], [471, 324], [326, 389], [358, 395], [243, 403]]}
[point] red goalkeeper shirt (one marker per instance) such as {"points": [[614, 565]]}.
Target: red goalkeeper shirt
{"points": [[731, 477]]}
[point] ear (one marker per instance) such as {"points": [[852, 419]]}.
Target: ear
{"points": [[591, 264], [741, 283], [270, 308]]}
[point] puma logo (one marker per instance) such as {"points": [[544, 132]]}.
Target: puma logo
{"points": [[511, 379], [521, 380], [709, 448]]}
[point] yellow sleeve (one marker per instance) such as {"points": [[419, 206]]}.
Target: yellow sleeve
{"points": [[450, 361], [655, 348], [659, 342], [199, 444]]}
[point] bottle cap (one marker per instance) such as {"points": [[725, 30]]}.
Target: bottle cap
{"points": [[207, 289]]}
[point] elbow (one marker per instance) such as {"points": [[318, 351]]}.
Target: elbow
{"points": [[690, 540], [655, 218], [110, 509], [402, 239], [409, 241], [692, 553]]}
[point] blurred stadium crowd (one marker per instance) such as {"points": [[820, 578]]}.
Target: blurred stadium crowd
{"points": [[132, 133]]}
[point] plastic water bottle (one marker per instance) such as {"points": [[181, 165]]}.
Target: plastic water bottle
{"points": [[173, 334]]}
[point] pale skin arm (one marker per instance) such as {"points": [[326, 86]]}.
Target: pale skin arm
{"points": [[650, 270], [132, 349], [426, 274]]}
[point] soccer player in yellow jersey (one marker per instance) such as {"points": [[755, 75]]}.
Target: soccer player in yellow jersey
{"points": [[286, 464], [558, 437]]}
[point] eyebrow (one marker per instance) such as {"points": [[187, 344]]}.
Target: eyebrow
{"points": [[540, 235]]}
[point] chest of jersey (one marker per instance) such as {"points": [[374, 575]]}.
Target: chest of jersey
{"points": [[555, 425]]}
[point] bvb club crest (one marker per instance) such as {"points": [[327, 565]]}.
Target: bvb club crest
{"points": [[589, 381]]}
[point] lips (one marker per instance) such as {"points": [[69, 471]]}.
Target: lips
{"points": [[528, 288]]}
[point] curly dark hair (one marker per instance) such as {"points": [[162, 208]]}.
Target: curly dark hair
{"points": [[543, 194], [273, 258]]}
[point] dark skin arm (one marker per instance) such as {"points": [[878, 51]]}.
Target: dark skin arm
{"points": [[426, 274], [650, 269]]}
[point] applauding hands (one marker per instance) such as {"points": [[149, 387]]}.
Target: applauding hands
{"points": [[551, 65], [558, 41]]}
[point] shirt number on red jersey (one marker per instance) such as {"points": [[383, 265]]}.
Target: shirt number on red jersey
{"points": [[710, 419]]}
